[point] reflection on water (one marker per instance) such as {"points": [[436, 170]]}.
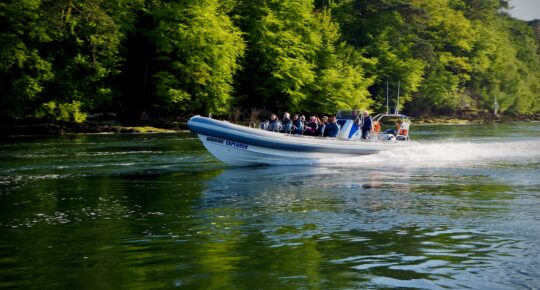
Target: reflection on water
{"points": [[157, 211], [429, 257]]}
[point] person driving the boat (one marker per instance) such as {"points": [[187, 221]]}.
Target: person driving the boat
{"points": [[367, 125]]}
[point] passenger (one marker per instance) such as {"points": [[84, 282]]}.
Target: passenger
{"points": [[298, 125], [274, 124], [366, 125], [311, 127], [286, 123], [304, 123], [332, 128], [324, 119], [356, 117], [322, 124]]}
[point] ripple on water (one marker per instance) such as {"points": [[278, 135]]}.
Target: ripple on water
{"points": [[134, 209], [439, 257]]}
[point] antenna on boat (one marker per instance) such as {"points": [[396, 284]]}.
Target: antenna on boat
{"points": [[387, 110], [397, 105]]}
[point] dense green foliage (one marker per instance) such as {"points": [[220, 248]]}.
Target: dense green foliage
{"points": [[64, 59], [198, 48]]}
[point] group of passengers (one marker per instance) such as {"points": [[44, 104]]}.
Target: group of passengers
{"points": [[324, 127]]}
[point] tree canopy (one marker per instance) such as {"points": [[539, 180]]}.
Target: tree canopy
{"points": [[63, 60]]}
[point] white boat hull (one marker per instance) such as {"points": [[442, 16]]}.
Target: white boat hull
{"points": [[242, 146]]}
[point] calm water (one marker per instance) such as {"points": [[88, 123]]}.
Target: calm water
{"points": [[461, 211]]}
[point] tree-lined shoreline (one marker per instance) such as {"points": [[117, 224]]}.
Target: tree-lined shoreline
{"points": [[64, 60], [37, 128]]}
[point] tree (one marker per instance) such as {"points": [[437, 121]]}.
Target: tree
{"points": [[60, 56], [24, 68], [381, 30], [340, 81], [198, 50], [63, 59], [450, 36], [505, 64], [282, 43]]}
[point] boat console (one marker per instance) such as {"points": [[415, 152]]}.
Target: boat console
{"points": [[386, 127]]}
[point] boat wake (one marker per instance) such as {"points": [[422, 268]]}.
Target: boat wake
{"points": [[448, 154]]}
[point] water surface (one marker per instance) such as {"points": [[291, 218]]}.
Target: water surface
{"points": [[156, 211]]}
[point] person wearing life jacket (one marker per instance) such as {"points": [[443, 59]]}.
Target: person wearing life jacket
{"points": [[322, 126], [298, 125], [274, 124], [286, 123], [366, 125], [332, 128]]}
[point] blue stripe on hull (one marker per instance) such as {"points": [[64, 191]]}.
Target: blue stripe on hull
{"points": [[354, 128]]}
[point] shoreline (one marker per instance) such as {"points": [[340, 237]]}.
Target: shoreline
{"points": [[479, 119], [127, 127], [67, 128]]}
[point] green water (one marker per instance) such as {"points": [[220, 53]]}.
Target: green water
{"points": [[156, 211]]}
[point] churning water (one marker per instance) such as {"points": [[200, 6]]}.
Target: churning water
{"points": [[449, 153], [459, 211]]}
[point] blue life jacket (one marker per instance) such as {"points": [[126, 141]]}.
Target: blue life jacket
{"points": [[331, 130], [298, 127], [286, 126], [274, 125]]}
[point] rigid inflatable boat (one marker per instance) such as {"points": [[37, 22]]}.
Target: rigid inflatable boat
{"points": [[244, 146]]}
